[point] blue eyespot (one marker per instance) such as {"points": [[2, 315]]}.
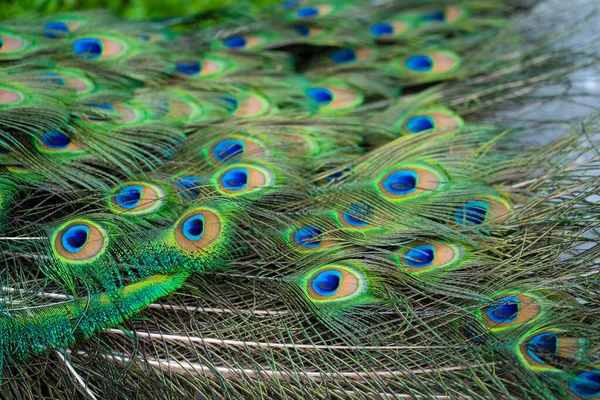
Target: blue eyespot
{"points": [[231, 103], [228, 150], [434, 16], [303, 30], [357, 214], [471, 213], [343, 56], [53, 30], [382, 29], [89, 48], [193, 228], [55, 140], [189, 68], [75, 238], [129, 196], [53, 79], [420, 256], [327, 283], [191, 184], [419, 63], [401, 182], [289, 4], [323, 96], [308, 237], [100, 107], [235, 42], [145, 38], [542, 344], [307, 12], [586, 384], [235, 179], [506, 310], [420, 123], [337, 176], [1, 43]]}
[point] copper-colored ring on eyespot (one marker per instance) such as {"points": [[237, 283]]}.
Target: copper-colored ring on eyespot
{"points": [[93, 246], [212, 230], [427, 182], [348, 285], [529, 308]]}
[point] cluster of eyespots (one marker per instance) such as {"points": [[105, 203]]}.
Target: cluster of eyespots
{"points": [[11, 44], [511, 309], [198, 229], [421, 257], [430, 64], [191, 186], [79, 240], [335, 97], [233, 148], [438, 118], [243, 179], [56, 142], [114, 113], [11, 97], [335, 283], [485, 209], [100, 47], [586, 384], [347, 55], [137, 198], [406, 181]]}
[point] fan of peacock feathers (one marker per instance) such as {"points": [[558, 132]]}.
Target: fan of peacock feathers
{"points": [[316, 200]]}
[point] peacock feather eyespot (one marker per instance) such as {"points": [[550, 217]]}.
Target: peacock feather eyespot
{"points": [[335, 97], [79, 240], [247, 105], [419, 257], [347, 55], [313, 11], [335, 283], [113, 113], [137, 198], [539, 349], [233, 148], [430, 65], [508, 310], [309, 238], [436, 118], [191, 186], [187, 68], [198, 229], [337, 177], [10, 97], [243, 179], [482, 210], [70, 80], [55, 142], [56, 29], [289, 4], [244, 42], [308, 30], [12, 45], [449, 15], [100, 47], [586, 384], [175, 105], [358, 216], [52, 78], [407, 181]]}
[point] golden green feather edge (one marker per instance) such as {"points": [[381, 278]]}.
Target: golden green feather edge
{"points": [[185, 214]]}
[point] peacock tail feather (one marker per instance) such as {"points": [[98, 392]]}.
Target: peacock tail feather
{"points": [[307, 200]]}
